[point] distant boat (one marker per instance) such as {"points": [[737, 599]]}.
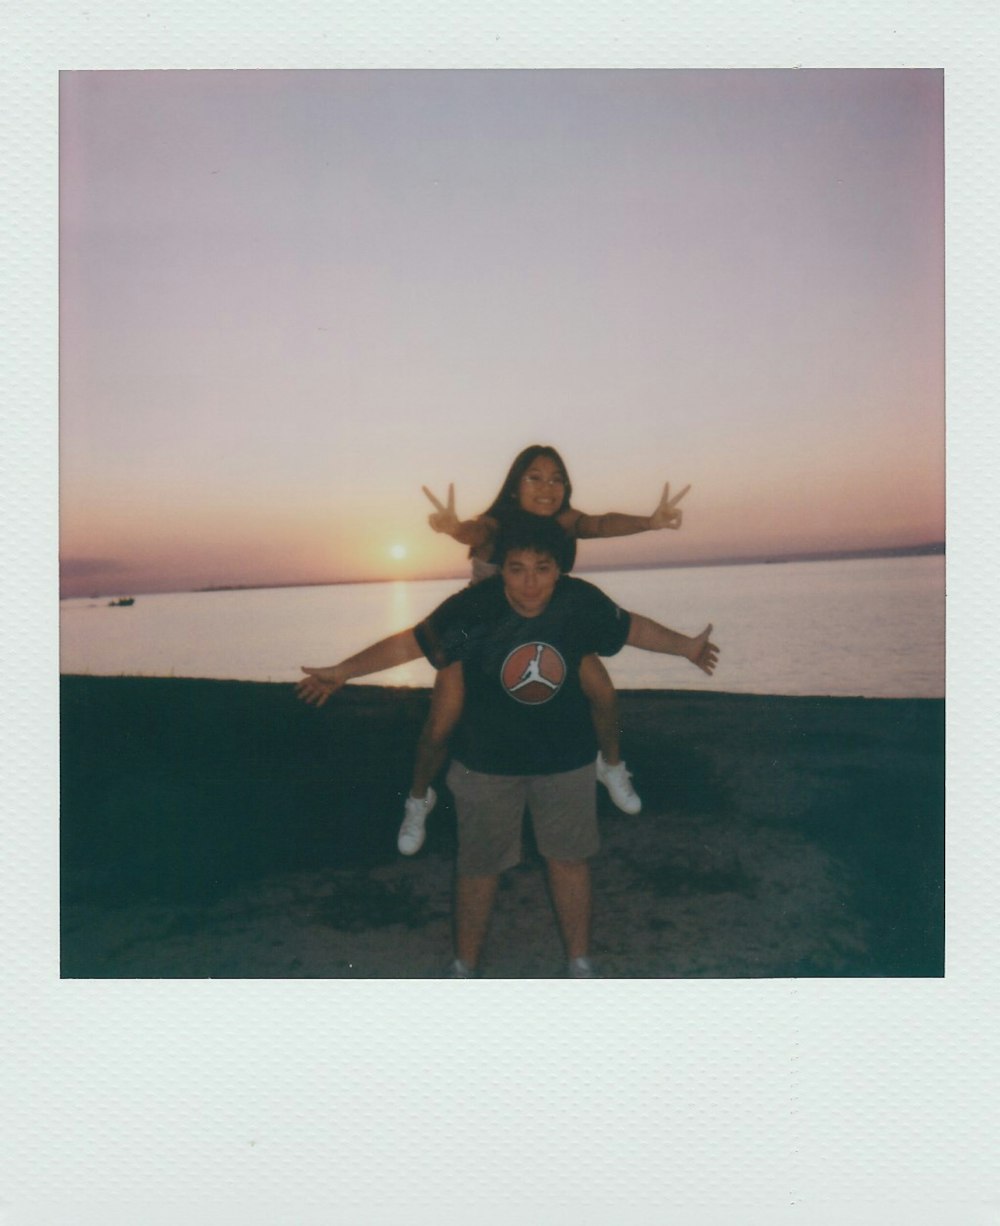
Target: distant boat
{"points": [[123, 602]]}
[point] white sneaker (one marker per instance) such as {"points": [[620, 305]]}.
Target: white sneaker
{"points": [[411, 833], [581, 968], [459, 970], [618, 781]]}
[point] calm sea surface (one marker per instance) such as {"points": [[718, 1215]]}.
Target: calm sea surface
{"points": [[872, 627]]}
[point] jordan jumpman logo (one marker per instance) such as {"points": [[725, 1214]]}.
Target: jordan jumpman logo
{"points": [[533, 672]]}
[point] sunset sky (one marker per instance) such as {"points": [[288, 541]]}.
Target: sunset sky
{"points": [[289, 299]]}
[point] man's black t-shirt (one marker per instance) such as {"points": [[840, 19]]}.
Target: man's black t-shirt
{"points": [[524, 712]]}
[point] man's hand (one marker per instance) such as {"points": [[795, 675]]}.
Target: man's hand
{"points": [[444, 518], [703, 654], [319, 683], [666, 514]]}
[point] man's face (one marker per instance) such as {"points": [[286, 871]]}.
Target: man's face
{"points": [[529, 579]]}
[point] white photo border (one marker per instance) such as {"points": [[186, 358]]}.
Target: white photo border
{"points": [[263, 1101]]}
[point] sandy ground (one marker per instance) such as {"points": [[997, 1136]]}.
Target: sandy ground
{"points": [[219, 829]]}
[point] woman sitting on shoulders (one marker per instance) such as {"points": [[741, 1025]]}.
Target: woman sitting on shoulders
{"points": [[538, 483]]}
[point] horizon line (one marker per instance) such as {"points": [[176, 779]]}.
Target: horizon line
{"points": [[930, 548]]}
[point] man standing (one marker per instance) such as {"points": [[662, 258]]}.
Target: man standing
{"points": [[525, 737]]}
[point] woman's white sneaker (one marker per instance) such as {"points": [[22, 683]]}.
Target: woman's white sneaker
{"points": [[618, 781], [412, 832]]}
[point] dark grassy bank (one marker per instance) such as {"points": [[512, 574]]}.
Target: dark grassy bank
{"points": [[182, 791]]}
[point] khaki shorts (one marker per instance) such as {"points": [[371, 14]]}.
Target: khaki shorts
{"points": [[490, 810]]}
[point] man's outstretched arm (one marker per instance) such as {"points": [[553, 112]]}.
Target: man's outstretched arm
{"points": [[648, 635], [319, 683]]}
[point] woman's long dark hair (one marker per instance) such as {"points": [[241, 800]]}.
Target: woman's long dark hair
{"points": [[507, 501]]}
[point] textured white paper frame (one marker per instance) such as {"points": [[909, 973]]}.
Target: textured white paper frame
{"points": [[308, 1102]]}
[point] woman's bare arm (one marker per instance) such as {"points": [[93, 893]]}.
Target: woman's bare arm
{"points": [[617, 523]]}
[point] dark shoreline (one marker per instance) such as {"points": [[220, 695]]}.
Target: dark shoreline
{"points": [[779, 836]]}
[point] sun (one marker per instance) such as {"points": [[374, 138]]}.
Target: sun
{"points": [[398, 552]]}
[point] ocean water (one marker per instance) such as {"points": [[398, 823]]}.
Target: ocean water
{"points": [[870, 627]]}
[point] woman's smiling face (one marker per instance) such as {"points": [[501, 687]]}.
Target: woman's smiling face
{"points": [[542, 489]]}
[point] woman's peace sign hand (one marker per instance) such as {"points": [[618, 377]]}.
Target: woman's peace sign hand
{"points": [[444, 518], [666, 514]]}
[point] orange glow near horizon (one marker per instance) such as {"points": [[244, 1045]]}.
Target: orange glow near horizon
{"points": [[124, 545]]}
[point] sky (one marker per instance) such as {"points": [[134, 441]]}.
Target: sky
{"points": [[289, 299]]}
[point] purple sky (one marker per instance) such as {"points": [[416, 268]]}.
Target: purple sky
{"points": [[289, 299]]}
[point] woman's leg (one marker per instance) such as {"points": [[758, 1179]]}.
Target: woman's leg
{"points": [[603, 699], [432, 749], [447, 699]]}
